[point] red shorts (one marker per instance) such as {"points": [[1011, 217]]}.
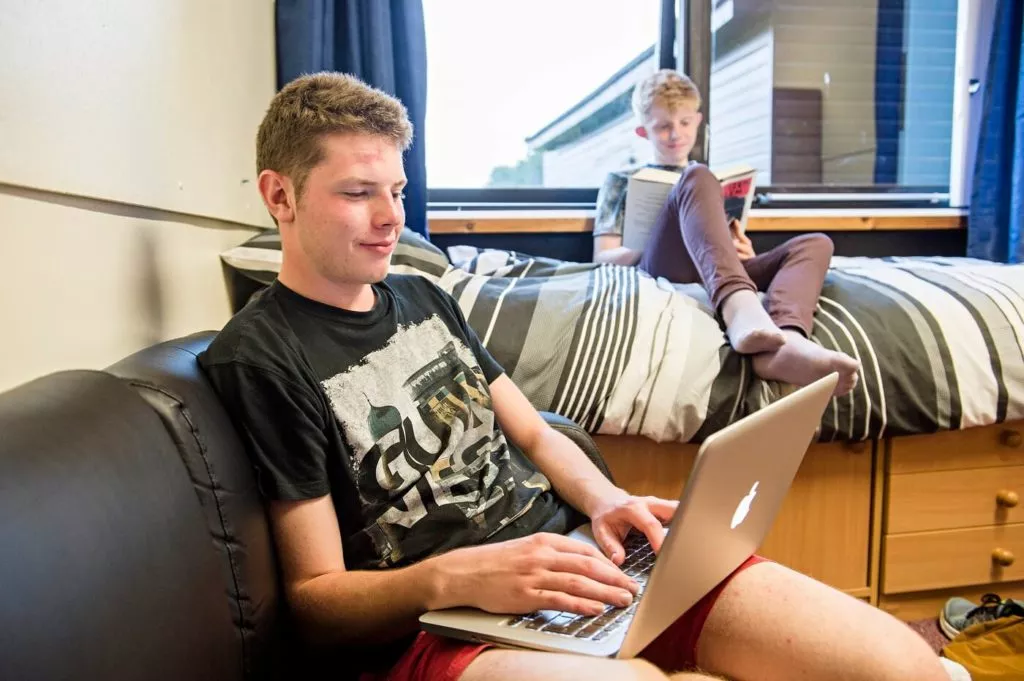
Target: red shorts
{"points": [[436, 658]]}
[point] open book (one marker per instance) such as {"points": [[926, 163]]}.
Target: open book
{"points": [[648, 189]]}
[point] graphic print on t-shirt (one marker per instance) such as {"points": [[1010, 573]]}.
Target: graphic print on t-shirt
{"points": [[427, 455]]}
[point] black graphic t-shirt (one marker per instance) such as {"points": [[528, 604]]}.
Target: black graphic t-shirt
{"points": [[389, 411]]}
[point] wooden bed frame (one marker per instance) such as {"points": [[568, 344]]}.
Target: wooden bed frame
{"points": [[903, 523]]}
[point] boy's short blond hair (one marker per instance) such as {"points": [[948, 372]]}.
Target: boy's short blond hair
{"points": [[320, 104], [665, 87]]}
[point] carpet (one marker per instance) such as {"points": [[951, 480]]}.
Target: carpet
{"points": [[929, 630]]}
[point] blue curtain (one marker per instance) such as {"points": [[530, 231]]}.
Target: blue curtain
{"points": [[382, 42], [997, 199]]}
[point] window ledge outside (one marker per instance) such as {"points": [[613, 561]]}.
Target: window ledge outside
{"points": [[761, 220]]}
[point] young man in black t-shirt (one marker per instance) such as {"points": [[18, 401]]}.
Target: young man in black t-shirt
{"points": [[404, 471]]}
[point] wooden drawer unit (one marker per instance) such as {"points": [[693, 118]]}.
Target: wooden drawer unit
{"points": [[953, 514], [934, 560]]}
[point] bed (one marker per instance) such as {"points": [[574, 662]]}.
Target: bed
{"points": [[644, 365], [623, 353]]}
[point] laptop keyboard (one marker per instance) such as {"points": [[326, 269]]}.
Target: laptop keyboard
{"points": [[638, 564]]}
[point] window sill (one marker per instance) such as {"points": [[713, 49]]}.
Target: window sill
{"points": [[761, 220]]}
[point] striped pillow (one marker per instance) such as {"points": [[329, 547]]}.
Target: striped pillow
{"points": [[254, 264]]}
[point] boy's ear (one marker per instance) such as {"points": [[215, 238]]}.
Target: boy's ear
{"points": [[277, 194], [641, 131]]}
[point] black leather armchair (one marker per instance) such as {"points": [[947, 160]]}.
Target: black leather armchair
{"points": [[135, 542]]}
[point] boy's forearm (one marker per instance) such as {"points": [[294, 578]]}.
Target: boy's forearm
{"points": [[377, 606], [572, 474], [365, 606]]}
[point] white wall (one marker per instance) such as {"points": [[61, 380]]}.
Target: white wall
{"points": [[121, 123], [587, 162], [829, 45], [741, 107]]}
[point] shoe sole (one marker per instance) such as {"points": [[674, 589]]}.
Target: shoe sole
{"points": [[948, 630]]}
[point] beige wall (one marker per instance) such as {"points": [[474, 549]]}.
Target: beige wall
{"points": [[127, 166], [84, 287]]}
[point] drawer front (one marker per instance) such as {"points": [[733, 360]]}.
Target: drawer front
{"points": [[956, 499], [949, 558], [832, 490], [999, 445]]}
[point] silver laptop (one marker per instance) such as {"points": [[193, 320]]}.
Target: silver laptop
{"points": [[738, 481]]}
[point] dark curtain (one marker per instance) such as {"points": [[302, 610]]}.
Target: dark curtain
{"points": [[997, 199], [382, 42]]}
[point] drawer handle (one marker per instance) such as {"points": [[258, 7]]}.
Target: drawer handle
{"points": [[1011, 438], [1007, 498], [1002, 557]]}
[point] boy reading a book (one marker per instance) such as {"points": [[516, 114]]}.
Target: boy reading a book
{"points": [[691, 242]]}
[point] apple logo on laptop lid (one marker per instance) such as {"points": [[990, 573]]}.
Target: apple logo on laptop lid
{"points": [[744, 506]]}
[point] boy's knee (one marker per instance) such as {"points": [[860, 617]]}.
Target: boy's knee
{"points": [[917, 664], [698, 177], [904, 655], [817, 244]]}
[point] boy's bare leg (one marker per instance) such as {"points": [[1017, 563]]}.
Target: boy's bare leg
{"points": [[773, 624], [499, 664]]}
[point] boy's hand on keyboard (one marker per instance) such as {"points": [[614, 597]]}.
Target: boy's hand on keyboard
{"points": [[612, 521], [541, 572]]}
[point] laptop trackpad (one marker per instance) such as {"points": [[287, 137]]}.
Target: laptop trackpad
{"points": [[584, 533]]}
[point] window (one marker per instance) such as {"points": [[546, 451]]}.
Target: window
{"points": [[835, 94], [824, 97], [534, 93]]}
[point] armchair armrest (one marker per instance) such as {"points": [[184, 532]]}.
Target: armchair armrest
{"points": [[580, 437]]}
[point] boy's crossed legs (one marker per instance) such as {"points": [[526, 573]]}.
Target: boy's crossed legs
{"points": [[691, 243]]}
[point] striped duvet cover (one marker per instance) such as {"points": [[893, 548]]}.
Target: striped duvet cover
{"points": [[617, 351]]}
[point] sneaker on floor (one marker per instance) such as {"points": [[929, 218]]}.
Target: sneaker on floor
{"points": [[960, 613]]}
